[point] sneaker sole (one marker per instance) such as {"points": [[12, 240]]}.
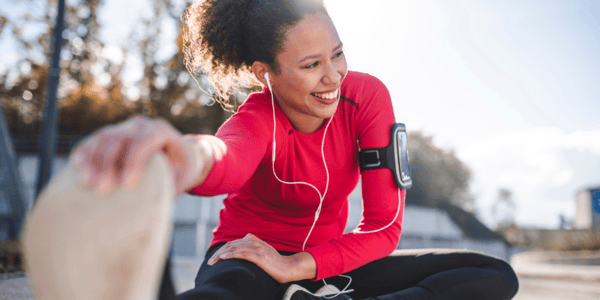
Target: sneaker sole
{"points": [[291, 290], [82, 245]]}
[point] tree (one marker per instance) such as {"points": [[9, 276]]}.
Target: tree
{"points": [[168, 90], [85, 101], [92, 90], [504, 208], [438, 174]]}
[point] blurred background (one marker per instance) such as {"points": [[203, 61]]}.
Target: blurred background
{"points": [[501, 100]]}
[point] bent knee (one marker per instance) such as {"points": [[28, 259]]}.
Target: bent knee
{"points": [[508, 275], [235, 272], [507, 280]]}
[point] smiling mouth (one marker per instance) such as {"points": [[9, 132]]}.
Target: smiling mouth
{"points": [[327, 96]]}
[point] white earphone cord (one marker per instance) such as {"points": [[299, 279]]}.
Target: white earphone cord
{"points": [[321, 197]]}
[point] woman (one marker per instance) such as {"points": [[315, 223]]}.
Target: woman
{"points": [[288, 159]]}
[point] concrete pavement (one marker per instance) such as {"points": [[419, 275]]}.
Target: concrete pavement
{"points": [[580, 265], [531, 288], [15, 289]]}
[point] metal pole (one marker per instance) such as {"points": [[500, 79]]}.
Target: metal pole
{"points": [[17, 198], [47, 141]]}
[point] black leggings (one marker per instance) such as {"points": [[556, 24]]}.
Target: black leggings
{"points": [[405, 274]]}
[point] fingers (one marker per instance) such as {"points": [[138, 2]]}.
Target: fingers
{"points": [[149, 141], [107, 164], [249, 248], [257, 251], [118, 154], [90, 161]]}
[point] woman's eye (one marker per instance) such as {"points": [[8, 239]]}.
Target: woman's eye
{"points": [[313, 65], [317, 63]]}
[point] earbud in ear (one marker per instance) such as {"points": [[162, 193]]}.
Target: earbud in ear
{"points": [[268, 82]]}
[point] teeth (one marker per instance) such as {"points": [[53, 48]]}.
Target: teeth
{"points": [[331, 95]]}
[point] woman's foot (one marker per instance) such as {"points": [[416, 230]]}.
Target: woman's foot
{"points": [[79, 244]]}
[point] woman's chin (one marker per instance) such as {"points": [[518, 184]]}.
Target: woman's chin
{"points": [[330, 109]]}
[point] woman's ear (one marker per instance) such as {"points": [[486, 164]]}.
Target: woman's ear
{"points": [[260, 69]]}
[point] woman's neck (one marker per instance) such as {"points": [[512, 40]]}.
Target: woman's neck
{"points": [[302, 122], [308, 126]]}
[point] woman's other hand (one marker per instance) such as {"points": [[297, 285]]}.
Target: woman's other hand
{"points": [[282, 268], [118, 154]]}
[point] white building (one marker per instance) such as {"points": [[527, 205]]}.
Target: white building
{"points": [[587, 209]]}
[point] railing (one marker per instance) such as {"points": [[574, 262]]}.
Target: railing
{"points": [[29, 143], [13, 202], [12, 185]]}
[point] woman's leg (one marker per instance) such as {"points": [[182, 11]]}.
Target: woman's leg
{"points": [[434, 274], [235, 279]]}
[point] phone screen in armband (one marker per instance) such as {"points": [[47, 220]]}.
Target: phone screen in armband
{"points": [[394, 157], [403, 174]]}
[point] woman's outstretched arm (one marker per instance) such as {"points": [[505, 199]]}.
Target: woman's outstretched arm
{"points": [[117, 155]]}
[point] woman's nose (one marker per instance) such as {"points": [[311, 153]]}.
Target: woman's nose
{"points": [[333, 75]]}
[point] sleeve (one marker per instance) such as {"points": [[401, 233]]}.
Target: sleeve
{"points": [[378, 233], [238, 147]]}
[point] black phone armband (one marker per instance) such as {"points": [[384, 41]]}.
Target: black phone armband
{"points": [[393, 157]]}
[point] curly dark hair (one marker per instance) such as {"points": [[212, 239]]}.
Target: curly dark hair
{"points": [[223, 38]]}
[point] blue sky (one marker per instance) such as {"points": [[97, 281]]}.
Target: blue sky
{"points": [[512, 86]]}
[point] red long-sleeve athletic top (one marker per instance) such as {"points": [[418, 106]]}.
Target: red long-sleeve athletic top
{"points": [[283, 214]]}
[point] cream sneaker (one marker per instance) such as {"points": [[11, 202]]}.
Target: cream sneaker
{"points": [[82, 245]]}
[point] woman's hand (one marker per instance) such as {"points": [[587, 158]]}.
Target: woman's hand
{"points": [[118, 155], [282, 268]]}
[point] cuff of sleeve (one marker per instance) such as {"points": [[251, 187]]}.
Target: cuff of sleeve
{"points": [[328, 259], [213, 181]]}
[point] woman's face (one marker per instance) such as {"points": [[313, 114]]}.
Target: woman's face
{"points": [[312, 67]]}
